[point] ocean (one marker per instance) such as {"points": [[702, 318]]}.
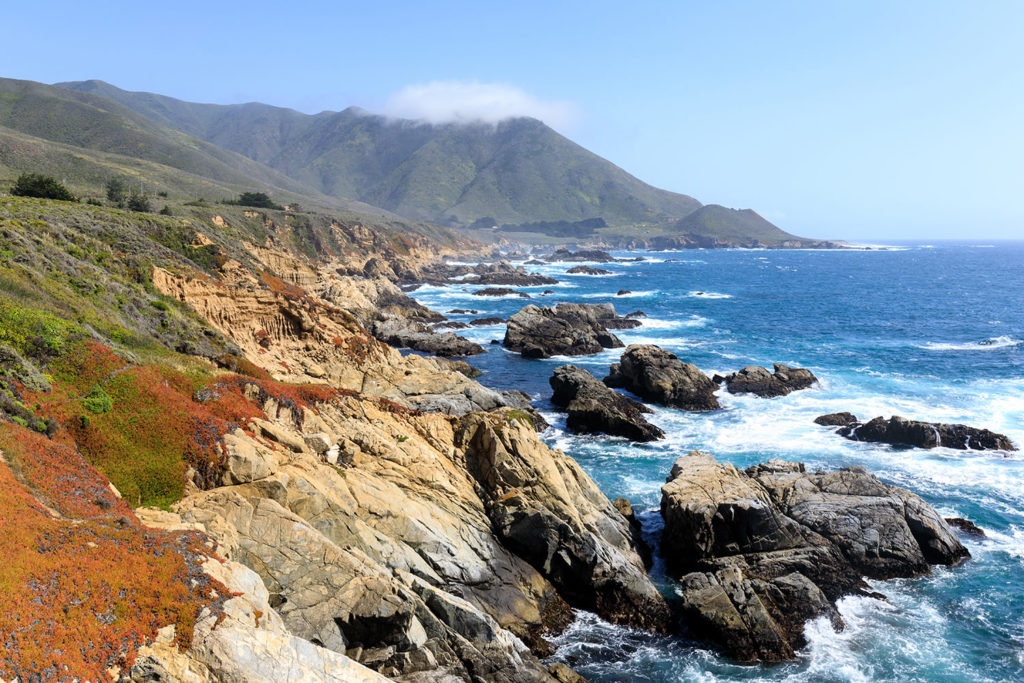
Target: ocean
{"points": [[927, 331]]}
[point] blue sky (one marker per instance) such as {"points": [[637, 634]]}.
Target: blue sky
{"points": [[861, 120]]}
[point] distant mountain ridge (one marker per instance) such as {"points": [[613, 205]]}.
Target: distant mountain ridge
{"points": [[517, 171], [518, 174]]}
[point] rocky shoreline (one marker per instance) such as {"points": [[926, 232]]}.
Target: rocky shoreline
{"points": [[386, 516]]}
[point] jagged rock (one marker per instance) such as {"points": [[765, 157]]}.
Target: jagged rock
{"points": [[450, 325], [636, 314], [318, 442], [549, 512], [596, 255], [900, 431], [764, 550], [968, 527], [413, 335], [248, 643], [463, 311], [486, 321], [654, 374], [594, 408], [566, 329], [836, 419], [754, 379], [623, 292], [501, 291], [587, 270], [340, 600], [504, 273]]}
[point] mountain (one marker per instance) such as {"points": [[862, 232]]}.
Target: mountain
{"points": [[86, 139], [713, 220], [518, 171]]}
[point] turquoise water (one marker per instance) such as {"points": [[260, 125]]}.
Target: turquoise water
{"points": [[932, 332]]}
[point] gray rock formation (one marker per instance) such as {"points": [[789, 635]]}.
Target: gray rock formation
{"points": [[587, 270], [566, 329], [900, 431], [654, 374], [402, 333], [593, 408], [558, 520], [762, 551], [754, 379]]}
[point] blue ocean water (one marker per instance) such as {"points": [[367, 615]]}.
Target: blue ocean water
{"points": [[933, 332]]}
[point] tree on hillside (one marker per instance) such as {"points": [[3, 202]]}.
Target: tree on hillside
{"points": [[36, 185], [117, 191], [138, 202], [259, 200]]}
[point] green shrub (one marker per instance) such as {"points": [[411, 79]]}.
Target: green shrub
{"points": [[166, 211], [98, 401], [36, 185], [92, 201]]}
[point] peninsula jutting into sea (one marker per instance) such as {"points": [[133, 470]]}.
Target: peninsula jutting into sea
{"points": [[356, 397]]}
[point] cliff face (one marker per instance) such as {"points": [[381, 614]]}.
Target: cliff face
{"points": [[331, 509]]}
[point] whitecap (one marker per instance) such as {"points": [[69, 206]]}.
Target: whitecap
{"points": [[1000, 342], [708, 295]]}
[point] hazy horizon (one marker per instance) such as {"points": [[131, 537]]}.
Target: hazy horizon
{"points": [[865, 122]]}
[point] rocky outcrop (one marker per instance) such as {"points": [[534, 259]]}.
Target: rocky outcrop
{"points": [[594, 255], [593, 408], [550, 513], [504, 273], [654, 374], [587, 270], [900, 431], [762, 551], [756, 380], [417, 544], [480, 322], [417, 336], [565, 329], [501, 291]]}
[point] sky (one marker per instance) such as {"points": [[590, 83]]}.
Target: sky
{"points": [[840, 119]]}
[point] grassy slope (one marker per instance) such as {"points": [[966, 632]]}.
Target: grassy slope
{"points": [[86, 139], [737, 224], [518, 171]]}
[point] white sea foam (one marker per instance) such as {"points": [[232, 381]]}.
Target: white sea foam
{"points": [[613, 295], [989, 344], [660, 324], [708, 295]]}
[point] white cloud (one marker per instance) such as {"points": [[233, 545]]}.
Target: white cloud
{"points": [[470, 101]]}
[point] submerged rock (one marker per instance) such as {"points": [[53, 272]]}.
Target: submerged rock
{"points": [[654, 374], [966, 526], [501, 291], [900, 431], [594, 408], [755, 379], [763, 550], [504, 273], [565, 329], [587, 270]]}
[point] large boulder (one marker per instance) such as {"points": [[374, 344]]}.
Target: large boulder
{"points": [[654, 374], [761, 551], [594, 408], [754, 379], [593, 255], [562, 330], [549, 512], [587, 270], [900, 431], [402, 333]]}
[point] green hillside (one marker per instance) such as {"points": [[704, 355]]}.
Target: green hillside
{"points": [[518, 171], [732, 224], [85, 140]]}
